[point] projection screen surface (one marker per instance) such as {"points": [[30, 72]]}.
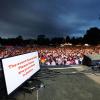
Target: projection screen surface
{"points": [[18, 69]]}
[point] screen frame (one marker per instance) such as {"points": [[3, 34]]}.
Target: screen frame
{"points": [[24, 80]]}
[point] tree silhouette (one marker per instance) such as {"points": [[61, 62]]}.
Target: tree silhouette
{"points": [[57, 40], [19, 40], [68, 39], [42, 40], [92, 36]]}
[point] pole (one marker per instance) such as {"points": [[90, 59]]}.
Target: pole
{"points": [[37, 93]]}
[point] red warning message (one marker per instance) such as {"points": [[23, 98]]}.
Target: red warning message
{"points": [[24, 67]]}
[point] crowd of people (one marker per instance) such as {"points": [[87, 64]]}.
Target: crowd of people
{"points": [[66, 55], [53, 56]]}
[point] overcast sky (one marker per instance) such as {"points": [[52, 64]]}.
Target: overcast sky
{"points": [[50, 17]]}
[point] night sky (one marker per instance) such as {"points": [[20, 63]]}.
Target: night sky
{"points": [[30, 18]]}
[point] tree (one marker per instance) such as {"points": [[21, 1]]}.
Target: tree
{"points": [[92, 36], [57, 40], [42, 40], [67, 39], [73, 40], [19, 40]]}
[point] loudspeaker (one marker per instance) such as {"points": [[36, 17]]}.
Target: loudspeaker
{"points": [[91, 60]]}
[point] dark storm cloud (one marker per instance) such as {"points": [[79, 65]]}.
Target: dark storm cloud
{"points": [[51, 17]]}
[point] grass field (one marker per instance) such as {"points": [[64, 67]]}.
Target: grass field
{"points": [[64, 84]]}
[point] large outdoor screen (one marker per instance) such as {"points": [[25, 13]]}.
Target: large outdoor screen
{"points": [[18, 69]]}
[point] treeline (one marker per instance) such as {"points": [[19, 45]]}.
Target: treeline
{"points": [[92, 37]]}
